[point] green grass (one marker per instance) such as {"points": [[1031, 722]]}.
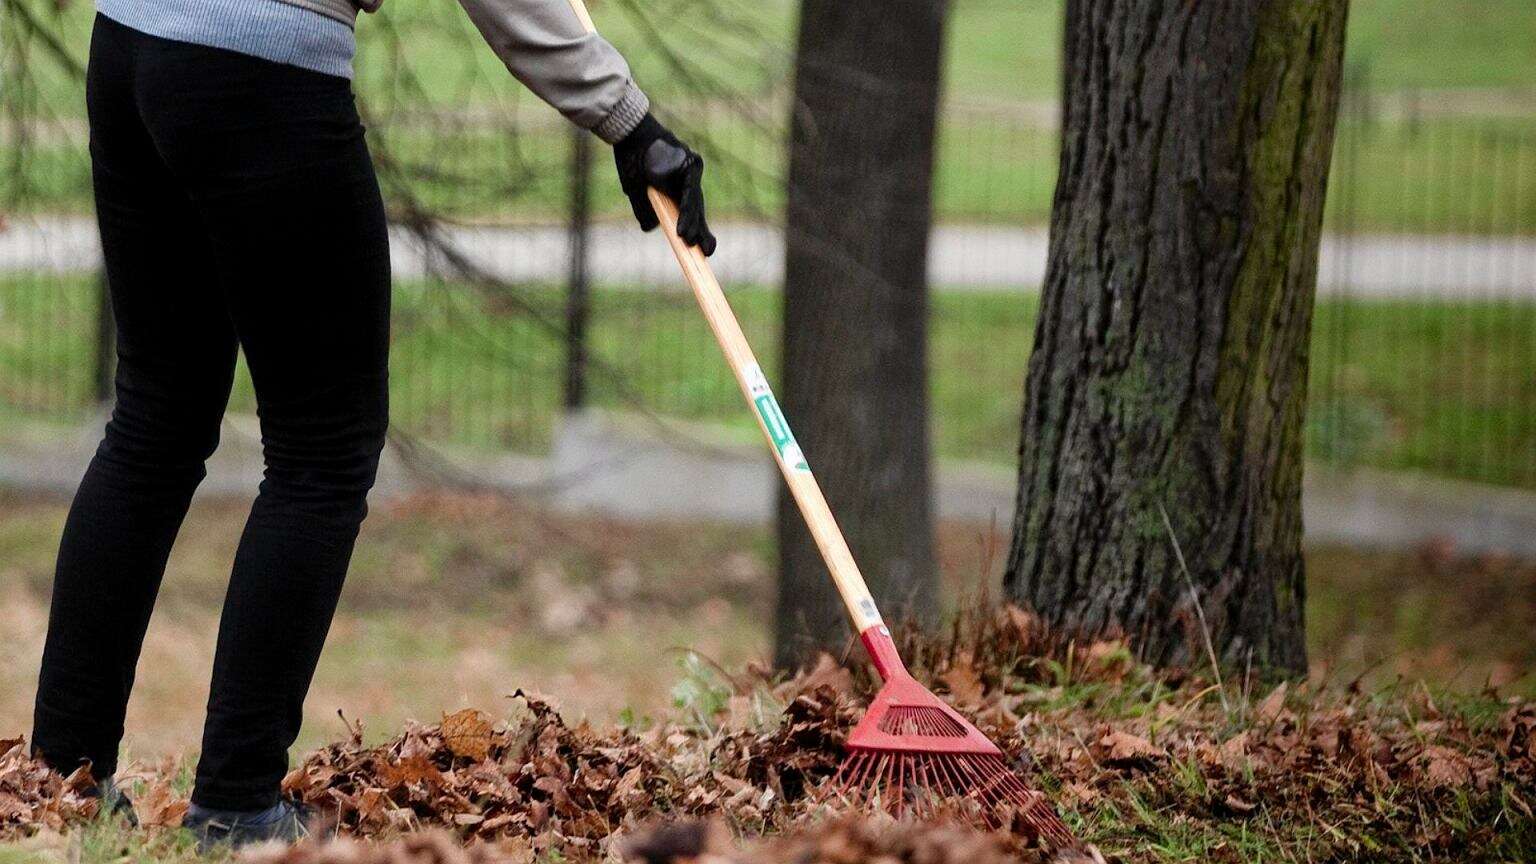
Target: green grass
{"points": [[1449, 390], [996, 49], [47, 328], [1443, 44], [1402, 385], [1437, 176], [108, 841], [1003, 49], [420, 66]]}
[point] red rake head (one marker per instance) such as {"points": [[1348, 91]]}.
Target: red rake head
{"points": [[912, 751]]}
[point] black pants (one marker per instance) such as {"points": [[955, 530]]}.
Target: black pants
{"points": [[238, 207]]}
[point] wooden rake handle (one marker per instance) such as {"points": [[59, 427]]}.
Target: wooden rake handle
{"points": [[786, 452]]}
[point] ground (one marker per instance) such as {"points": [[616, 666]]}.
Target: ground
{"points": [[456, 601], [1410, 740]]}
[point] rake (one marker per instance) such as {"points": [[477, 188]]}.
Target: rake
{"points": [[911, 750]]}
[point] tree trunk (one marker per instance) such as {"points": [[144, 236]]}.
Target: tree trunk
{"points": [[1169, 371], [855, 306]]}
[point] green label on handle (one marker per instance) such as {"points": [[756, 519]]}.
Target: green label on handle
{"points": [[773, 420]]}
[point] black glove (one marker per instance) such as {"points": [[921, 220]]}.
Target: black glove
{"points": [[651, 156]]}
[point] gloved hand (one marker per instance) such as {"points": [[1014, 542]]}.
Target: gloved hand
{"points": [[651, 156]]}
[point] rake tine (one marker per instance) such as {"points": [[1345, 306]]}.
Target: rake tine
{"points": [[988, 771], [968, 777], [1039, 817], [946, 780], [847, 771], [946, 771], [916, 782], [943, 786], [922, 785], [950, 776], [930, 779]]}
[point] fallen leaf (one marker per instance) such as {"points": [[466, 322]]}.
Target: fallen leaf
{"points": [[1108, 660], [158, 806], [963, 683], [1445, 768], [468, 734], [1123, 748], [1078, 855], [1269, 709], [1237, 805], [1026, 624], [826, 672]]}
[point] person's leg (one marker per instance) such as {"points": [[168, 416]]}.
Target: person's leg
{"points": [[278, 166], [176, 358]]}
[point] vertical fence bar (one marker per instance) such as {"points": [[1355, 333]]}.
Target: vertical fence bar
{"points": [[577, 287], [1329, 402]]}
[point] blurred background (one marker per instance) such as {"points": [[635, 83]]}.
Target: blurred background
{"points": [[574, 499]]}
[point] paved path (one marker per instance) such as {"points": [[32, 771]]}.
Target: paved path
{"points": [[961, 257], [628, 469]]}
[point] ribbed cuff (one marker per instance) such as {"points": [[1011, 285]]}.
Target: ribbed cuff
{"points": [[625, 116]]}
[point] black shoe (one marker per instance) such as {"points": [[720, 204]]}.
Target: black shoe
{"points": [[284, 821], [114, 804]]}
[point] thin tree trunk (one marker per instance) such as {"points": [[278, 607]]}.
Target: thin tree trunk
{"points": [[855, 306], [1170, 363]]}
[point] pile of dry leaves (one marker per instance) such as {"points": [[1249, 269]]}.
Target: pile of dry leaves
{"points": [[33, 797], [839, 841], [1132, 758], [535, 779], [1126, 753]]}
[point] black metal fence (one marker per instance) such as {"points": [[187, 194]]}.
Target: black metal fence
{"points": [[523, 290], [1424, 347]]}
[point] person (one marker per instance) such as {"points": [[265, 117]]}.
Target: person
{"points": [[238, 209]]}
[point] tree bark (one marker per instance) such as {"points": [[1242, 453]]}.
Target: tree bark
{"points": [[1169, 371], [855, 307]]}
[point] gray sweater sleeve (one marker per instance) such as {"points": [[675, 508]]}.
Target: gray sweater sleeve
{"points": [[546, 47]]}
